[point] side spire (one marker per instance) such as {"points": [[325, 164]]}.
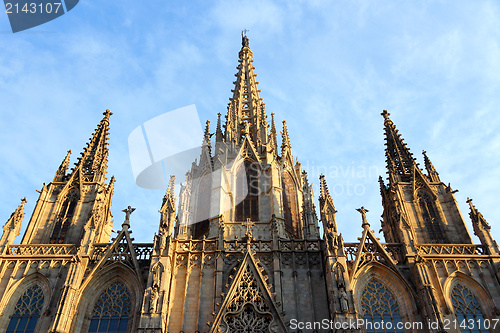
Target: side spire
{"points": [[311, 228], [482, 229], [400, 161], [286, 138], [12, 226], [63, 168], [431, 171], [218, 130], [94, 159], [273, 135]]}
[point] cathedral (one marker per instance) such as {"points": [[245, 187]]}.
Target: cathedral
{"points": [[241, 248]]}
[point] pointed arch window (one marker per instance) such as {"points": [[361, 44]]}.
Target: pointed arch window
{"points": [[431, 218], [247, 192], [112, 310], [468, 310], [64, 219], [290, 207], [379, 304], [27, 311]]}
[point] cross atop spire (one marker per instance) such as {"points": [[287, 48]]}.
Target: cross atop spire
{"points": [[244, 38]]}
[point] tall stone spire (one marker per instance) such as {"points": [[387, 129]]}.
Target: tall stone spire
{"points": [[400, 161], [63, 168], [94, 160], [246, 109], [431, 171]]}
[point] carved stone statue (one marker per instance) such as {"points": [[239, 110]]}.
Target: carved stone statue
{"points": [[339, 276], [127, 212], [154, 298], [344, 305]]}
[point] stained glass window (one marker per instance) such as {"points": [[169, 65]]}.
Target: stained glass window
{"points": [[112, 310], [380, 309], [469, 314], [27, 311]]}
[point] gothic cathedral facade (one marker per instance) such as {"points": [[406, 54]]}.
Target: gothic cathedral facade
{"points": [[241, 248]]}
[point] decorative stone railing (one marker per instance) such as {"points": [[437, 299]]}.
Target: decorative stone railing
{"points": [[394, 249], [299, 245], [451, 249], [241, 246], [195, 245], [42, 250], [143, 251]]}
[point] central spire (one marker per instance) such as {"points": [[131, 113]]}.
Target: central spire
{"points": [[246, 111]]}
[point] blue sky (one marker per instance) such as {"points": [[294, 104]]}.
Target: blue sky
{"points": [[328, 67]]}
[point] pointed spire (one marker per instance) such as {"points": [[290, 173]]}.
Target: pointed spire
{"points": [[477, 218], [323, 188], [431, 171], [285, 138], [94, 159], [273, 136], [16, 218], [309, 210], [218, 130], [171, 185], [482, 229], [63, 168], [206, 135], [400, 161], [12, 226], [245, 105]]}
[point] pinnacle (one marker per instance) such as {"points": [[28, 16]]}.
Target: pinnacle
{"points": [[286, 137], [218, 130], [323, 187], [171, 185]]}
